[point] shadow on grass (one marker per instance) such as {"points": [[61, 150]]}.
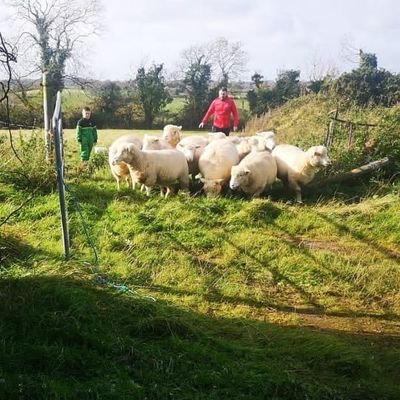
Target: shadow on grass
{"points": [[352, 191], [216, 274], [65, 338], [15, 251], [385, 252]]}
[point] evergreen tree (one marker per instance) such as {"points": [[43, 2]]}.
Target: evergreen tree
{"points": [[151, 92], [197, 81]]}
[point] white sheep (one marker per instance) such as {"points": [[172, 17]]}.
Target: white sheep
{"points": [[268, 139], [151, 142], [172, 134], [243, 147], [253, 143], [215, 165], [216, 135], [234, 138], [192, 147], [255, 173], [121, 171], [296, 167], [130, 138], [154, 167]]}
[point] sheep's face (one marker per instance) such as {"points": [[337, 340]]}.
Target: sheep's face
{"points": [[212, 187], [319, 156], [122, 153], [117, 156], [239, 177], [172, 134]]}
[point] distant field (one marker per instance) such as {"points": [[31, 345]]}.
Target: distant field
{"points": [[106, 136], [75, 98], [176, 105]]}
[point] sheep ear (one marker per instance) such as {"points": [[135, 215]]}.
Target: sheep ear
{"points": [[180, 127], [202, 180]]}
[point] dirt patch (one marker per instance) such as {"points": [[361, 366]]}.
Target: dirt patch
{"points": [[314, 244]]}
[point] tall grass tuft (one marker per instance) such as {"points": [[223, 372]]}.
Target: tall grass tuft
{"points": [[24, 164]]}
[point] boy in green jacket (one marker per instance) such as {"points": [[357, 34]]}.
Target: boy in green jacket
{"points": [[86, 134]]}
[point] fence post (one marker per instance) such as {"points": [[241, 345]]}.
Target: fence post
{"points": [[58, 145], [45, 117]]}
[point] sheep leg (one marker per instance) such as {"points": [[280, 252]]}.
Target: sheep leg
{"points": [[298, 196], [184, 182], [168, 191], [257, 193], [296, 187], [130, 182]]}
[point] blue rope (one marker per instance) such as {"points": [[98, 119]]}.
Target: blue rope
{"points": [[98, 278]]}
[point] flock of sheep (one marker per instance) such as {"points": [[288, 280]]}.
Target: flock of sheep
{"points": [[250, 164]]}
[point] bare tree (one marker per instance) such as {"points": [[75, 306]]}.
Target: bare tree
{"points": [[7, 56], [349, 52], [227, 60], [54, 29], [194, 55], [318, 69]]}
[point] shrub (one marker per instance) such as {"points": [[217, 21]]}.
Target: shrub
{"points": [[27, 168], [386, 141]]}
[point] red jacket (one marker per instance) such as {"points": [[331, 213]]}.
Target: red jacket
{"points": [[222, 110]]}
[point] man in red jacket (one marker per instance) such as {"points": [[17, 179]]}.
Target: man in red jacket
{"points": [[222, 107]]}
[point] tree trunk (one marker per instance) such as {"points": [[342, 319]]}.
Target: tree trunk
{"points": [[354, 173]]}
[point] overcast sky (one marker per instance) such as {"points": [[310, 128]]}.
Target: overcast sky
{"points": [[276, 34]]}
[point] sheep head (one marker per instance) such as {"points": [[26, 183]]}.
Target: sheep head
{"points": [[212, 187], [318, 156], [172, 134], [239, 177]]}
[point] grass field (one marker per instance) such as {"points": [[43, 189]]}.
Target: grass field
{"points": [[196, 298]]}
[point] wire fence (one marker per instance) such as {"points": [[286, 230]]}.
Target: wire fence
{"points": [[63, 189]]}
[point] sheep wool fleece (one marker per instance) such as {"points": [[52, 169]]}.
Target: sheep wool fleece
{"points": [[86, 134]]}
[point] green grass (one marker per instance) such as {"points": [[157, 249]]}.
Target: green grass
{"points": [[304, 119], [75, 98], [176, 105], [253, 299]]}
